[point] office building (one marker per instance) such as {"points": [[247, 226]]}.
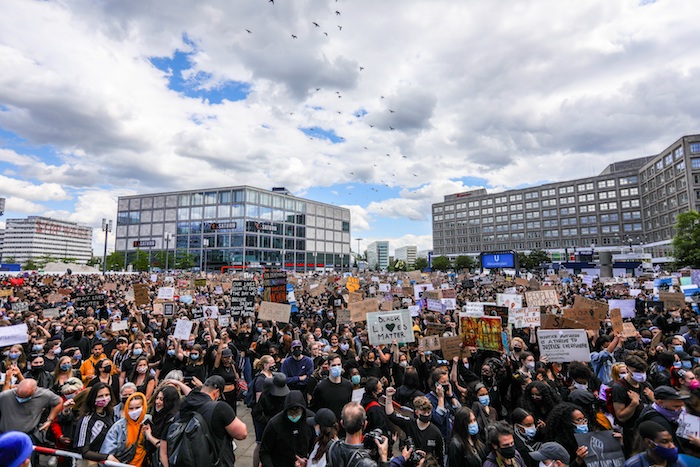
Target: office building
{"points": [[378, 255], [630, 206], [44, 238], [407, 254], [239, 225]]}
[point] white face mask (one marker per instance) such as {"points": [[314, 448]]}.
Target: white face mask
{"points": [[135, 414]]}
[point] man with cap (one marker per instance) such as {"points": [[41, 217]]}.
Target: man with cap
{"points": [[288, 435], [220, 417], [298, 368], [15, 449], [551, 454], [665, 411]]}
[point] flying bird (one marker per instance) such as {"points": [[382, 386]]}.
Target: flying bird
{"points": [[318, 89], [337, 13], [388, 155], [405, 157], [339, 112], [340, 27], [293, 36], [362, 68], [249, 31], [371, 126], [382, 97], [391, 128], [326, 34], [365, 147], [315, 24], [391, 111]]}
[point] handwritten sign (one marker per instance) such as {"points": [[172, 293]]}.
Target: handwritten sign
{"points": [[482, 333], [688, 426], [200, 282], [359, 310], [10, 335], [542, 298], [243, 294], [628, 330], [672, 299], [91, 300], [122, 325], [166, 293], [279, 312], [567, 345], [509, 300], [616, 320], [586, 304], [529, 317], [429, 343], [183, 329], [549, 321], [20, 307], [141, 294], [587, 317], [627, 307], [387, 326], [451, 347]]}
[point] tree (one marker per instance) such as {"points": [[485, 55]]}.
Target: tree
{"points": [[686, 242], [31, 265], [9, 260], [94, 261], [184, 260], [537, 257], [524, 261], [115, 261], [140, 263], [441, 263], [421, 263], [465, 262], [159, 259]]}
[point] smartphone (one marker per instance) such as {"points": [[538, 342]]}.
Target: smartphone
{"points": [[188, 379]]}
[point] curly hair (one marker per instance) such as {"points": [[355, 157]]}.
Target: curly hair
{"points": [[578, 370], [540, 409], [560, 427]]}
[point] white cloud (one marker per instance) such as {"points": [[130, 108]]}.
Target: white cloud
{"points": [[360, 219]]}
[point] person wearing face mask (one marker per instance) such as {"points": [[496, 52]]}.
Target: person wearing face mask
{"points": [[333, 392], [22, 408], [76, 339], [659, 448], [36, 371], [667, 407], [298, 368], [288, 435], [53, 351], [142, 377], [88, 369], [660, 371], [128, 430], [96, 419], [124, 392], [195, 367], [527, 437], [62, 427], [685, 381], [540, 399], [376, 418], [562, 423], [551, 454], [503, 452], [629, 397], [465, 448], [127, 367], [172, 358], [15, 358]]}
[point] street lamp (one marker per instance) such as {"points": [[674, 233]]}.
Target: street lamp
{"points": [[168, 237], [106, 228], [205, 245], [358, 250]]}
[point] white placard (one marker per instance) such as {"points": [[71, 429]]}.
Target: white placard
{"points": [[635, 292], [17, 334], [414, 309], [509, 300], [530, 317], [473, 309], [154, 277], [375, 279], [418, 290], [372, 290], [588, 280], [210, 311], [436, 305], [166, 293], [450, 303], [627, 309], [122, 325], [688, 425], [385, 326], [357, 395], [183, 329], [564, 345], [224, 320], [385, 287]]}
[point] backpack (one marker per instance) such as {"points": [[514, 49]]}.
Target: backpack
{"points": [[249, 395], [608, 394], [190, 443], [358, 455]]}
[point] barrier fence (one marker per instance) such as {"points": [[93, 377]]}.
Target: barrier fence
{"points": [[59, 452]]}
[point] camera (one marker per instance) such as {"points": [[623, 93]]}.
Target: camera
{"points": [[415, 457], [369, 443]]}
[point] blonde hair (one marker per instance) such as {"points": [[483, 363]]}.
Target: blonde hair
{"points": [[72, 385], [259, 363], [615, 371], [422, 403]]}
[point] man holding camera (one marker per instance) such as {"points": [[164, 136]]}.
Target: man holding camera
{"points": [[353, 452]]}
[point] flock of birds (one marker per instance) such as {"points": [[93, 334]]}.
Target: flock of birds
{"points": [[318, 131]]}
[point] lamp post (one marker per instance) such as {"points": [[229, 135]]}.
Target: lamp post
{"points": [[106, 228], [168, 237], [358, 250], [205, 245]]}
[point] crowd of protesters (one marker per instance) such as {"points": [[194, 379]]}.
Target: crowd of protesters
{"points": [[318, 390]]}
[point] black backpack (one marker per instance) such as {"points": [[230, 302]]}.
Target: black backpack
{"points": [[249, 397], [190, 442]]}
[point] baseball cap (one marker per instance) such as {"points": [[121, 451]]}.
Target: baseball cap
{"points": [[15, 448], [216, 382], [667, 393], [551, 451], [296, 344], [324, 417]]}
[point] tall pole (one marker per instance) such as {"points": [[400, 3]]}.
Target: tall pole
{"points": [[106, 228], [168, 236], [205, 244], [358, 250]]}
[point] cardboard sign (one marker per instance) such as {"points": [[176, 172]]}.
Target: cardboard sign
{"points": [[432, 294], [93, 300], [279, 312], [568, 345], [224, 320], [122, 325], [542, 298], [47, 280], [688, 426], [200, 282], [52, 312], [451, 347], [385, 327], [434, 329], [6, 293], [11, 335], [183, 329], [482, 333], [549, 321], [20, 307], [354, 297], [168, 309], [386, 305], [603, 449], [588, 318], [616, 320], [628, 330], [509, 300], [166, 293], [359, 310], [522, 282], [429, 343], [141, 294], [672, 299], [627, 307], [343, 317]]}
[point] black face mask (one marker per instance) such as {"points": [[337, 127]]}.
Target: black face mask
{"points": [[296, 352], [38, 369], [508, 452], [425, 418], [77, 334]]}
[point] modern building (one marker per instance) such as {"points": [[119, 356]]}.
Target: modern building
{"points": [[629, 208], [238, 226], [378, 255], [407, 254], [37, 237]]}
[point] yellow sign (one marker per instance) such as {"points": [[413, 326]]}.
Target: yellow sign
{"points": [[353, 284]]}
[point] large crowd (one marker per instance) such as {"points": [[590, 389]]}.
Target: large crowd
{"points": [[321, 393]]}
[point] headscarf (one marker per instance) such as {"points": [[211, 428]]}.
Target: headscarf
{"points": [[133, 426]]}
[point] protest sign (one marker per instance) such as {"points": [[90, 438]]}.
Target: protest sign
{"points": [[688, 426], [628, 330], [529, 317], [672, 299], [449, 293], [583, 303], [533, 284], [451, 347], [627, 307], [359, 310], [47, 280], [275, 286], [414, 276], [272, 311], [343, 317], [436, 305], [564, 345], [386, 305], [141, 294], [92, 300], [616, 320], [474, 309], [509, 300], [604, 450], [354, 297], [432, 295], [482, 333], [385, 327], [521, 282], [549, 321], [198, 315], [243, 293], [384, 287], [6, 293], [449, 303], [210, 311], [316, 290], [168, 309], [52, 312], [20, 307], [11, 335], [110, 286], [183, 329], [419, 289], [429, 343], [166, 293], [434, 329], [121, 325], [353, 284], [200, 282], [587, 317], [414, 309], [542, 298], [493, 310]]}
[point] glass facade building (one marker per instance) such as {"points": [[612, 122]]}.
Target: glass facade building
{"points": [[237, 226]]}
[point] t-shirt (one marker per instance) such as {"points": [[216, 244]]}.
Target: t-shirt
{"points": [[619, 394], [429, 440], [218, 416], [332, 395], [24, 417]]}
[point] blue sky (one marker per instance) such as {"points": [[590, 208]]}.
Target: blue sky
{"points": [[381, 110]]}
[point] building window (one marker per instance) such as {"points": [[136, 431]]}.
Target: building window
{"points": [[584, 186], [694, 148]]}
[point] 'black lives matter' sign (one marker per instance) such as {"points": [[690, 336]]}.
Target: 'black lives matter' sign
{"points": [[91, 300], [243, 294]]}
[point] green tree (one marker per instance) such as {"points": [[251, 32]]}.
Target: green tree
{"points": [[184, 260], [537, 257], [9, 260], [441, 263], [115, 261], [94, 261], [524, 261], [159, 259], [465, 262], [68, 260], [31, 265], [140, 263], [686, 242], [421, 263]]}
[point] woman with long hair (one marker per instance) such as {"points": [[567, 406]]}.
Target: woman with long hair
{"points": [[326, 427], [465, 448], [62, 373], [129, 431], [15, 357], [525, 435], [143, 379], [103, 373], [410, 389], [539, 399], [563, 421], [195, 367], [165, 407], [96, 419], [62, 426]]}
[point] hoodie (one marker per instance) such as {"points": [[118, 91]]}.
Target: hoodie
{"points": [[282, 439]]}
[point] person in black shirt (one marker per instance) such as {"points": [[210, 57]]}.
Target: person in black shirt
{"points": [[630, 395], [332, 392], [223, 366]]}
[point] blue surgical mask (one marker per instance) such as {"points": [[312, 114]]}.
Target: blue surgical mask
{"points": [[37, 347], [646, 340], [294, 419], [355, 379], [687, 364], [583, 428], [22, 400], [678, 348], [66, 366], [677, 364], [669, 454], [473, 428], [137, 352], [14, 355], [530, 431], [484, 400], [171, 352], [194, 356], [344, 347], [336, 371]]}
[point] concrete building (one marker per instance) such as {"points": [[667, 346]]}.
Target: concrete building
{"points": [[407, 254], [42, 237], [630, 207], [235, 225], [378, 255]]}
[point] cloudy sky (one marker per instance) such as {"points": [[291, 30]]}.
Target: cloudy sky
{"points": [[382, 106]]}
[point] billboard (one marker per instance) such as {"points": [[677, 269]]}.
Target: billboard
{"points": [[499, 259]]}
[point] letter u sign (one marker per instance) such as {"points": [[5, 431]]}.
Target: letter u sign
{"points": [[496, 258]]}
